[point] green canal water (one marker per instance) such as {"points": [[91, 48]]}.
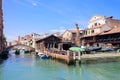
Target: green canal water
{"points": [[28, 67]]}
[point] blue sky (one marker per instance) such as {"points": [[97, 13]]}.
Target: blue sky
{"points": [[23, 17]]}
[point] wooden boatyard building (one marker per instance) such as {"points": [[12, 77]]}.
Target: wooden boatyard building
{"points": [[47, 42], [106, 39]]}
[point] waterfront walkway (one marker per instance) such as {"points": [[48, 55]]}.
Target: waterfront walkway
{"points": [[103, 55], [86, 58], [100, 58]]}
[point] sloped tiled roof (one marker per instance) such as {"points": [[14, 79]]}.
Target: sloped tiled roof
{"points": [[112, 31], [73, 31], [46, 38], [113, 22]]}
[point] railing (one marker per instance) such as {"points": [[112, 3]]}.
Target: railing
{"points": [[88, 41], [109, 40], [57, 51], [68, 55], [68, 41]]}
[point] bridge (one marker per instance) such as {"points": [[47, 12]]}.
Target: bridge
{"points": [[20, 46]]}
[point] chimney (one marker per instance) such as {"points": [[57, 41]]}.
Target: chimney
{"points": [[77, 40], [76, 26]]}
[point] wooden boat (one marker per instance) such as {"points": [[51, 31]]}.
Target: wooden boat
{"points": [[95, 48], [105, 50]]}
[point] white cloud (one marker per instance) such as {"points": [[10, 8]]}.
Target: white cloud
{"points": [[34, 4], [39, 3], [27, 2]]}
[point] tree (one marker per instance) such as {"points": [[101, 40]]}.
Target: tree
{"points": [[4, 41]]}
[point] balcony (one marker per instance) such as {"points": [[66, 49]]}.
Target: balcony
{"points": [[90, 41], [68, 41], [110, 40]]}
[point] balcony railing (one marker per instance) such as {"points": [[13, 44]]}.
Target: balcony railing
{"points": [[67, 41], [89, 41], [109, 40]]}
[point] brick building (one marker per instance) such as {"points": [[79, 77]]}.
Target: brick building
{"points": [[1, 27], [29, 39]]}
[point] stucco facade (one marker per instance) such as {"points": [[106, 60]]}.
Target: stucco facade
{"points": [[96, 25], [67, 36], [101, 31]]}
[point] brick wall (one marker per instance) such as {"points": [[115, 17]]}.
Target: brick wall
{"points": [[1, 26]]}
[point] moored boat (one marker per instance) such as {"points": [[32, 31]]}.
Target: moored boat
{"points": [[43, 56], [95, 48]]}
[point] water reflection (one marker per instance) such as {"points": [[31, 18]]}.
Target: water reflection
{"points": [[1, 61], [109, 71], [30, 67]]}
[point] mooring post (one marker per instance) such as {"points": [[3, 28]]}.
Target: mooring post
{"points": [[74, 56], [79, 55], [68, 54], [58, 46]]}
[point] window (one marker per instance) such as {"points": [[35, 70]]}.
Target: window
{"points": [[88, 32], [95, 24], [92, 31], [85, 32], [74, 34]]}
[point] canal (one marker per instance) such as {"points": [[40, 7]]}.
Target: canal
{"points": [[30, 67]]}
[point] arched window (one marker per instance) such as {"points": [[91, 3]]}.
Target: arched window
{"points": [[95, 24], [92, 31]]}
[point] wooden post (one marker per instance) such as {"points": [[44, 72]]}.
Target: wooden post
{"points": [[68, 54], [74, 56], [53, 45], [47, 45], [59, 45], [79, 55], [50, 46]]}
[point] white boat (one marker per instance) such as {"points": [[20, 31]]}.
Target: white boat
{"points": [[43, 56], [40, 54]]}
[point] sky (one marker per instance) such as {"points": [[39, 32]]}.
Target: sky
{"points": [[22, 17]]}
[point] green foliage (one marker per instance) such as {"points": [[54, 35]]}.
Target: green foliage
{"points": [[4, 38]]}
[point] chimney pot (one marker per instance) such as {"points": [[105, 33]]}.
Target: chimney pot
{"points": [[76, 25]]}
